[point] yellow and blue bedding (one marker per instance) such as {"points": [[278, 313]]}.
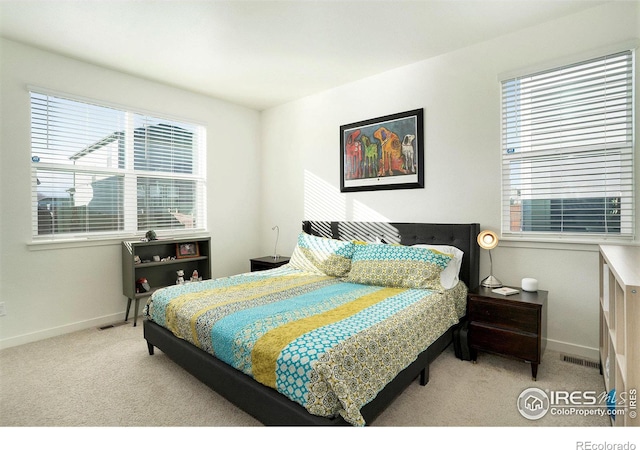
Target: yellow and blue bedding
{"points": [[323, 341]]}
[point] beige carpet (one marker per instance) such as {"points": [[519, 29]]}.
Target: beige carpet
{"points": [[106, 378]]}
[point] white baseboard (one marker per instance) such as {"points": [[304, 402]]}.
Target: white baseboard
{"points": [[65, 329], [574, 350]]}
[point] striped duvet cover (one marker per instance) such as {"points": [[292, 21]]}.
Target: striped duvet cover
{"points": [[325, 343]]}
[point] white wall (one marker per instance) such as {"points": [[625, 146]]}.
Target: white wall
{"points": [[61, 289], [460, 95], [290, 172]]}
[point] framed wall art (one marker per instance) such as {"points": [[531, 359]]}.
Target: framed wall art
{"points": [[383, 153]]}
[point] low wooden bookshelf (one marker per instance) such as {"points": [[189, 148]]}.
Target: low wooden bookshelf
{"points": [[620, 329], [159, 261]]}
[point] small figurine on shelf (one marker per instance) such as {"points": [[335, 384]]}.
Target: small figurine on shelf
{"points": [[180, 279], [142, 285], [195, 277]]}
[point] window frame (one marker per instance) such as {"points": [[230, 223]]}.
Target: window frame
{"points": [[629, 231], [129, 176]]}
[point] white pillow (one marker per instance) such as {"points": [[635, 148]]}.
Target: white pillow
{"points": [[449, 276]]}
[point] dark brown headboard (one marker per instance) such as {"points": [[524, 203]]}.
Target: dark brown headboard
{"points": [[462, 236]]}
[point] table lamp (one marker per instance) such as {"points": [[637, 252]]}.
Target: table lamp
{"points": [[489, 240], [275, 247]]}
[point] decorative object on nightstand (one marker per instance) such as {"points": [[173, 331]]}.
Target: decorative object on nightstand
{"points": [[268, 262], [511, 325], [505, 291], [529, 284], [275, 247], [488, 240]]}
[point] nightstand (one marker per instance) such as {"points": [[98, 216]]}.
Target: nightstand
{"points": [[510, 325], [268, 262]]}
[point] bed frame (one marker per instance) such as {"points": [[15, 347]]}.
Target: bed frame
{"points": [[272, 408]]}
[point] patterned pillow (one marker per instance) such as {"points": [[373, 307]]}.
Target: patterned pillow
{"points": [[397, 266], [450, 276], [322, 255]]}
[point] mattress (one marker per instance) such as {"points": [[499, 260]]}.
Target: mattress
{"points": [[325, 343]]}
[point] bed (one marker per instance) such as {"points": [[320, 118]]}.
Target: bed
{"points": [[308, 344]]}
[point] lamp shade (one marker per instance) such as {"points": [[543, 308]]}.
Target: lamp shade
{"points": [[487, 239]]}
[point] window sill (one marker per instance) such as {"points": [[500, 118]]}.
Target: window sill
{"points": [[566, 243], [38, 245]]}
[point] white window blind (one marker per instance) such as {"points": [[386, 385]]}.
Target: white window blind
{"points": [[100, 171], [567, 150]]}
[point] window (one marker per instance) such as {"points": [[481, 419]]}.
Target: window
{"points": [[567, 150], [99, 171]]}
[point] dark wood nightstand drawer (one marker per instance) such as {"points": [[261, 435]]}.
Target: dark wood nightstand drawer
{"points": [[518, 345], [503, 315]]}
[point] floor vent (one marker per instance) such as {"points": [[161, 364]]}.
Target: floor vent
{"points": [[112, 325], [580, 361]]}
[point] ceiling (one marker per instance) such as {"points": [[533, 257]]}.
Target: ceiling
{"points": [[264, 53]]}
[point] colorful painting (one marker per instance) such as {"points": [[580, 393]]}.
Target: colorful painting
{"points": [[383, 153]]}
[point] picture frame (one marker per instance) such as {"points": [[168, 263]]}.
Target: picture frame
{"points": [[187, 250], [383, 153]]}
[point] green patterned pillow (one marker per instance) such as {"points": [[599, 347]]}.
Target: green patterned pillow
{"points": [[322, 255], [397, 266]]}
